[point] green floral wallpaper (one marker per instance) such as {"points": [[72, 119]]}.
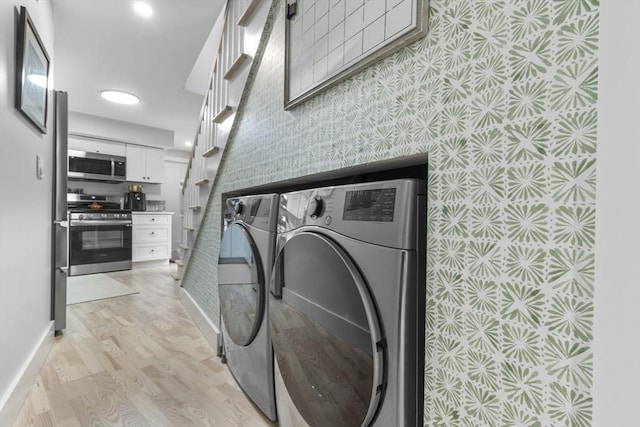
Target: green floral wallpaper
{"points": [[502, 95]]}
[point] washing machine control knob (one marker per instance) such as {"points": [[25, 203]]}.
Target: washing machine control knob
{"points": [[315, 207]]}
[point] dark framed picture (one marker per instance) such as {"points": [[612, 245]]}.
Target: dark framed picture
{"points": [[32, 73]]}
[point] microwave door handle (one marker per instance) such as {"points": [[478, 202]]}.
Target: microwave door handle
{"points": [[113, 167]]}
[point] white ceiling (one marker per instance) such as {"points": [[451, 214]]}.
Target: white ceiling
{"points": [[104, 44]]}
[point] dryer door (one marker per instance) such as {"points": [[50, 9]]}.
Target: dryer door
{"points": [[241, 284], [326, 333]]}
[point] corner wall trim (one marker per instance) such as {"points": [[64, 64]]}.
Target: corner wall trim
{"points": [[11, 403], [209, 330]]}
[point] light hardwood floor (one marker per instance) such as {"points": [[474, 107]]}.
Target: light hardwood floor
{"points": [[136, 360]]}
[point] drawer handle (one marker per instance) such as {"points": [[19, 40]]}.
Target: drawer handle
{"points": [[153, 250], [152, 233], [153, 219]]}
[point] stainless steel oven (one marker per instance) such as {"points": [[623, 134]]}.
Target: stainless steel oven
{"points": [[99, 241]]}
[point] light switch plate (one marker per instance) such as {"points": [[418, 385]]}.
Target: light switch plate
{"points": [[39, 167]]}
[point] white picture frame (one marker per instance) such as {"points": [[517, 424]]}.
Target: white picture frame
{"points": [[327, 41]]}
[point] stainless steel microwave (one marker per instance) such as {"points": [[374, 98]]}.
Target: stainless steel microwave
{"points": [[96, 166]]}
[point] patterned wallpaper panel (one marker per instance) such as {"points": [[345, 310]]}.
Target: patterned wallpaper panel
{"points": [[502, 95]]}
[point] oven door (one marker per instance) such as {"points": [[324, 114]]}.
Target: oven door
{"points": [[99, 246]]}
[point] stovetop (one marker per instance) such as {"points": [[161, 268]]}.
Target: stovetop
{"points": [[92, 202], [98, 211]]}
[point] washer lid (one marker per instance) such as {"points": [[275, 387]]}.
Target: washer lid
{"points": [[326, 333], [241, 284]]}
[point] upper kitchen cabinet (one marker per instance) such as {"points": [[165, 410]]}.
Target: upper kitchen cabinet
{"points": [[97, 146], [145, 164]]}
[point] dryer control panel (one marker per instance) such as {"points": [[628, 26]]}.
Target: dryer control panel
{"points": [[370, 205], [376, 212]]}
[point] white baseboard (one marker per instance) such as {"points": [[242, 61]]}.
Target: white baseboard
{"points": [[209, 330], [11, 403]]}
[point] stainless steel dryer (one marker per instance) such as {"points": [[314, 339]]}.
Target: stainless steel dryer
{"points": [[244, 266], [347, 298]]}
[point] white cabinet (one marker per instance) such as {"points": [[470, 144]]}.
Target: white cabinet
{"points": [[145, 164], [97, 146], [151, 237]]}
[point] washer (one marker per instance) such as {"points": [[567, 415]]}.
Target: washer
{"points": [[347, 301], [244, 266]]}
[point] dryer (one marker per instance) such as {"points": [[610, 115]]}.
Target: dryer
{"points": [[346, 304], [244, 267]]}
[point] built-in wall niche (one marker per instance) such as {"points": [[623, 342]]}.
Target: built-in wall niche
{"points": [[329, 41]]}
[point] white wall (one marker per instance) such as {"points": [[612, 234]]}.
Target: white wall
{"points": [[617, 295], [25, 207], [116, 130], [153, 191]]}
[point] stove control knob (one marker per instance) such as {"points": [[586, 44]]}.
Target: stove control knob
{"points": [[315, 207], [80, 216], [103, 215]]}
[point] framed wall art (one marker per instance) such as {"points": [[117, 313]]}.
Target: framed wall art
{"points": [[32, 72], [327, 41]]}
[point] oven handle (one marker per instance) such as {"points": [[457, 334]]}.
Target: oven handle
{"points": [[98, 222]]}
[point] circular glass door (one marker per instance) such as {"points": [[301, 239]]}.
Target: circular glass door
{"points": [[325, 332], [240, 285]]}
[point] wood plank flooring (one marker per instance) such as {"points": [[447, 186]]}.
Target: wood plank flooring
{"points": [[136, 360]]}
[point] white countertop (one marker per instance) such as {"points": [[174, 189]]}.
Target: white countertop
{"points": [[151, 213]]}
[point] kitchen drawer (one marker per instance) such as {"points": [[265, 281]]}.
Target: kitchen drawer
{"points": [[150, 234], [150, 252], [150, 219]]}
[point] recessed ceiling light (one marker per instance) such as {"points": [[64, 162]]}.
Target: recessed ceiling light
{"points": [[119, 97], [143, 9], [187, 143]]}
